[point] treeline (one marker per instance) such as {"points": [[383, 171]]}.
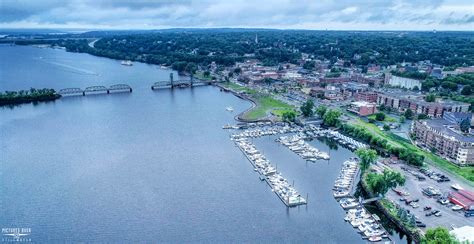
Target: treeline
{"points": [[409, 156], [226, 47], [449, 88], [26, 96]]}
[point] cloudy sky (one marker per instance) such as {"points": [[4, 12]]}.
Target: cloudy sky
{"points": [[297, 14]]}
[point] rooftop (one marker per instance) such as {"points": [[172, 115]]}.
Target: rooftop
{"points": [[447, 128]]}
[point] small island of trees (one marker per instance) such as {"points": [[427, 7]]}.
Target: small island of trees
{"points": [[26, 96]]}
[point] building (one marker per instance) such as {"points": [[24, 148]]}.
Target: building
{"points": [[367, 96], [462, 198], [403, 101], [401, 82], [363, 108], [444, 139], [333, 93], [457, 117]]}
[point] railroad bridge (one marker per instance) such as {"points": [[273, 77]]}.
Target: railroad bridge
{"points": [[171, 83], [95, 90]]}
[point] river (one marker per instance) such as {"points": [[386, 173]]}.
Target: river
{"points": [[145, 166]]}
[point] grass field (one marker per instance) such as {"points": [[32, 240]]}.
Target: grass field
{"points": [[265, 105]]}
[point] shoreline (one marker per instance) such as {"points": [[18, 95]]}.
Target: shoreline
{"points": [[414, 236]]}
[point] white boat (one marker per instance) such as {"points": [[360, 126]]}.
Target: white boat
{"points": [[375, 238], [126, 63], [230, 109]]}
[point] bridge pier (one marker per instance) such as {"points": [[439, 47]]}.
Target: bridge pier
{"points": [[83, 93], [108, 91]]}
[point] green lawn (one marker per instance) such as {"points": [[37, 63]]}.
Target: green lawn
{"points": [[265, 105]]}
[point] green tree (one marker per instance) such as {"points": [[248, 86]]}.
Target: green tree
{"points": [[207, 73], [331, 117], [289, 116], [321, 110], [466, 90], [367, 157], [380, 116], [430, 98], [439, 235], [386, 127], [381, 183], [465, 125], [237, 70], [307, 108], [408, 114], [402, 119]]}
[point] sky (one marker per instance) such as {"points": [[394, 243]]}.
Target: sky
{"points": [[280, 14]]}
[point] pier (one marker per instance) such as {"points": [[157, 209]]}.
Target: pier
{"points": [[95, 90], [171, 83]]}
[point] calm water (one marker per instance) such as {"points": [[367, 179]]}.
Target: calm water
{"points": [[145, 166]]}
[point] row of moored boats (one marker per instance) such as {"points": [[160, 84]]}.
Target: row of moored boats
{"points": [[297, 144], [284, 190], [345, 181]]}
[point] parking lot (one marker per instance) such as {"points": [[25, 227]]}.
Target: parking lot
{"points": [[414, 188]]}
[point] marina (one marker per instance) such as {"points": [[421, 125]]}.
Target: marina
{"points": [[268, 173]]}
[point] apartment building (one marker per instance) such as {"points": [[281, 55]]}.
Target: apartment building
{"points": [[444, 139]]}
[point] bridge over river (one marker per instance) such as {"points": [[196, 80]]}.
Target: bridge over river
{"points": [[171, 83], [96, 90]]}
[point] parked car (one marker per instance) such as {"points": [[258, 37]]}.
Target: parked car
{"points": [[422, 225], [437, 214], [457, 208], [427, 208]]}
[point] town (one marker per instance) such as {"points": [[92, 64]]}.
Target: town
{"points": [[407, 118]]}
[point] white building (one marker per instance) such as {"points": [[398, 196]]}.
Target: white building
{"points": [[401, 82]]}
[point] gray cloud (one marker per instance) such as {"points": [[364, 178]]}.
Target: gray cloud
{"points": [[145, 14]]}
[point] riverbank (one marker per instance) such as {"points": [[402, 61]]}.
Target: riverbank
{"points": [[389, 210]]}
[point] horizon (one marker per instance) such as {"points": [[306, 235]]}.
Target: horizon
{"points": [[420, 15]]}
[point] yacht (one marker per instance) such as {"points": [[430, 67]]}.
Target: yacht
{"points": [[126, 63], [230, 109]]}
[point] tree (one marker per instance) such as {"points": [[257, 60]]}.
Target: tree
{"points": [[416, 88], [402, 119], [408, 114], [367, 157], [465, 125], [386, 127], [430, 98], [331, 117], [380, 116], [289, 116], [439, 235], [237, 70], [207, 73], [381, 183], [307, 108], [421, 116], [382, 107], [321, 110], [466, 90]]}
